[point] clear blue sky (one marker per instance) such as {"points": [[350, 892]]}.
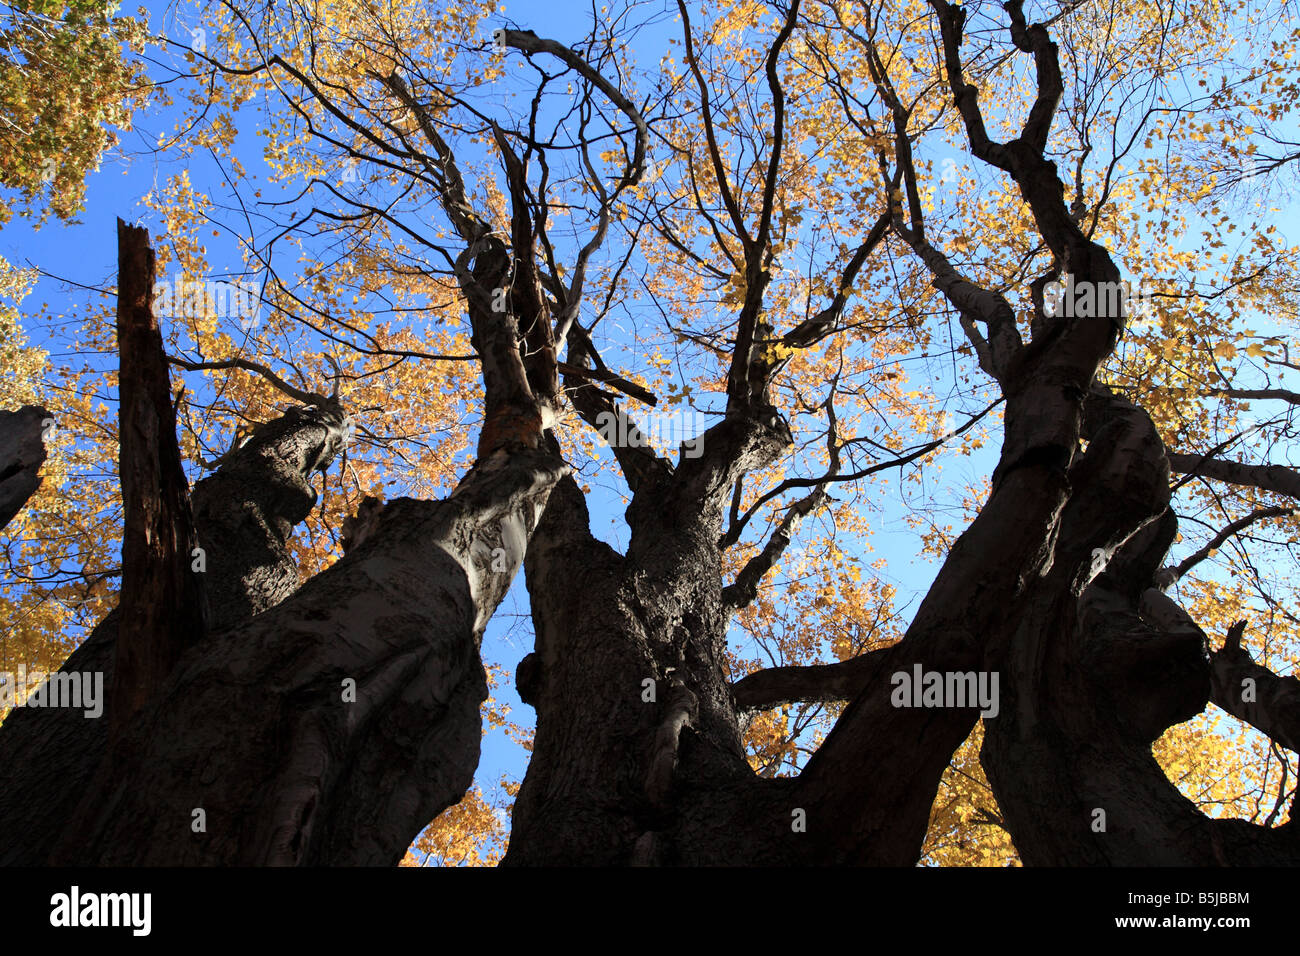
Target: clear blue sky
{"points": [[86, 253]]}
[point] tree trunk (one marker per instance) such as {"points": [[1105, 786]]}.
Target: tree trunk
{"points": [[1096, 664], [621, 776], [354, 700], [244, 514], [162, 608], [621, 664]]}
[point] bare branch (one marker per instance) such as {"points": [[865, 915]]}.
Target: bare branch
{"points": [[745, 588], [299, 395], [1172, 574], [1283, 394], [1255, 694], [1278, 478], [821, 683]]}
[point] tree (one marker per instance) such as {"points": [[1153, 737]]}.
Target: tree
{"points": [[65, 80], [799, 132]]}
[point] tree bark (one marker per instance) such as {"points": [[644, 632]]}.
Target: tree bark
{"points": [[1096, 667], [244, 514], [22, 452], [612, 755], [162, 608], [356, 700], [247, 509], [318, 774]]}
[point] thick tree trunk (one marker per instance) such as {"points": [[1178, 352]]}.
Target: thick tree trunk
{"points": [[629, 678], [356, 701], [637, 757], [620, 663], [47, 757], [244, 514], [1095, 666]]}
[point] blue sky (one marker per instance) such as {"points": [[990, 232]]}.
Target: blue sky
{"points": [[86, 254]]}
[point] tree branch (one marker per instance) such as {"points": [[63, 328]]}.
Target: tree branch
{"points": [[299, 395], [745, 588], [1252, 693], [1283, 394], [819, 683], [1278, 478], [1259, 514]]}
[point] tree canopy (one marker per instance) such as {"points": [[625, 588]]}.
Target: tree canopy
{"points": [[785, 348]]}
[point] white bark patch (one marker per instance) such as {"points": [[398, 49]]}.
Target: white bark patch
{"points": [[514, 537], [488, 564]]}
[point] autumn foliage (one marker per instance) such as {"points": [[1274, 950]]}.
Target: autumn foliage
{"points": [[288, 160]]}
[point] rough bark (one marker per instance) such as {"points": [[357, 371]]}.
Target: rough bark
{"points": [[312, 776], [247, 508], [1088, 681], [244, 514], [357, 699], [162, 608], [1255, 694], [22, 452], [595, 792], [609, 765]]}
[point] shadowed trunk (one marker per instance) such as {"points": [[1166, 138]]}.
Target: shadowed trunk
{"points": [[358, 702], [1092, 674], [48, 755], [22, 452], [612, 753], [162, 608], [356, 699]]}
